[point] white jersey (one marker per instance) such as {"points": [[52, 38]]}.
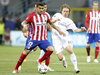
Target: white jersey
{"points": [[60, 42], [64, 23]]}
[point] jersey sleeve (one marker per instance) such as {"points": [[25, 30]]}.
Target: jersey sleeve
{"points": [[72, 25], [87, 19], [28, 18], [48, 17], [55, 16]]}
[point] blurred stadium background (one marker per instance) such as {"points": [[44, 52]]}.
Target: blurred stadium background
{"points": [[13, 12]]}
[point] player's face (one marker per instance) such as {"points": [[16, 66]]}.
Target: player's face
{"points": [[45, 8], [95, 6], [65, 12], [39, 9]]}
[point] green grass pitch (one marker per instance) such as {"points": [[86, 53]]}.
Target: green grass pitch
{"points": [[9, 56]]}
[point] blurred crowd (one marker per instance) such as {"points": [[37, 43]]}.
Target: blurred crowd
{"points": [[7, 24], [11, 21]]}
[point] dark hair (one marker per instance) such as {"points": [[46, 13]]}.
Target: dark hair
{"points": [[39, 4], [65, 6], [44, 3]]}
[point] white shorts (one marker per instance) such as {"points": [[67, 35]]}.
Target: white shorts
{"points": [[61, 42]]}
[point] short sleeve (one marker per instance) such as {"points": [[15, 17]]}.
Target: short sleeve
{"points": [[48, 17], [28, 18], [72, 25], [57, 15]]}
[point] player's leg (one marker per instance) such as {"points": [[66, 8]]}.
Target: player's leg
{"points": [[46, 46], [47, 54], [41, 54], [89, 41], [96, 40], [28, 48], [88, 52], [96, 52], [61, 57], [20, 67], [57, 43], [47, 61], [20, 61], [73, 58]]}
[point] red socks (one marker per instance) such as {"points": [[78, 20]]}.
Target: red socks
{"points": [[47, 61], [46, 55], [88, 51], [96, 52], [22, 57]]}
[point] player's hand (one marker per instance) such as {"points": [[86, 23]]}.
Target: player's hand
{"points": [[25, 35], [83, 28], [89, 29], [25, 29], [62, 33]]}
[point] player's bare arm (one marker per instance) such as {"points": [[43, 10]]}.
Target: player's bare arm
{"points": [[60, 32], [25, 28], [53, 21], [80, 30], [49, 27]]}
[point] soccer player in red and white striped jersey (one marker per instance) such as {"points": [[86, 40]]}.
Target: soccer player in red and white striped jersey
{"points": [[37, 23], [92, 23]]}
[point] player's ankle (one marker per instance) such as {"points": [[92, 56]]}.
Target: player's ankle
{"points": [[16, 69], [39, 61]]}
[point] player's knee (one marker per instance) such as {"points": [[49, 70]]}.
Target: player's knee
{"points": [[97, 44], [88, 45], [60, 57], [50, 48], [26, 52]]}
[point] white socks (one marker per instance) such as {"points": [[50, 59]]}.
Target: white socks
{"points": [[63, 59], [73, 60], [41, 54]]}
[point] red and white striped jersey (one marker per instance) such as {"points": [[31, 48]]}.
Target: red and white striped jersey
{"points": [[93, 21], [38, 26]]}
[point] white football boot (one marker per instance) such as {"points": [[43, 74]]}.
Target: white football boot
{"points": [[64, 63], [88, 59], [96, 61], [77, 70], [15, 71]]}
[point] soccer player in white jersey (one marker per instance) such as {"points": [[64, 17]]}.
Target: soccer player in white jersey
{"points": [[60, 43], [92, 23], [36, 25]]}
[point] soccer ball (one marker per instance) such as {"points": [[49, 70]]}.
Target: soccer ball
{"points": [[43, 69]]}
